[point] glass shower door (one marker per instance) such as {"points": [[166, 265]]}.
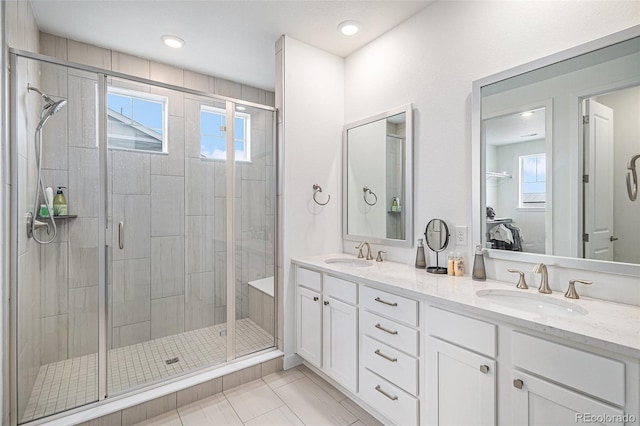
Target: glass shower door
{"points": [[57, 268], [166, 192], [255, 229]]}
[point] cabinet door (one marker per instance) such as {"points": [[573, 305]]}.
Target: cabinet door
{"points": [[341, 342], [461, 386], [309, 326], [538, 402]]}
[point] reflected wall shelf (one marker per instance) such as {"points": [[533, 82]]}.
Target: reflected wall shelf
{"points": [[498, 175], [62, 216]]}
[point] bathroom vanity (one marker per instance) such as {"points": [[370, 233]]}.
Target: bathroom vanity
{"points": [[417, 348]]}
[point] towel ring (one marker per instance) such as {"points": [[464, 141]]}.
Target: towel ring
{"points": [[316, 189], [632, 178], [365, 190]]}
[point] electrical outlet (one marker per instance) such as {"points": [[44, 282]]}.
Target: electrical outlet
{"points": [[461, 235]]}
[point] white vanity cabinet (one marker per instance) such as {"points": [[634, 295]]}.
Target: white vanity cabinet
{"points": [[461, 369], [432, 354], [558, 384], [327, 325]]}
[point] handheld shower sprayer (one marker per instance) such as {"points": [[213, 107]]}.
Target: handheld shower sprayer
{"points": [[50, 108]]}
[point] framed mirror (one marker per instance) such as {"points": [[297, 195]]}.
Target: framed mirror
{"points": [[377, 178], [553, 143]]}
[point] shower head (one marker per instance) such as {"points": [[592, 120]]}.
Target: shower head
{"points": [[50, 102], [56, 106], [51, 106]]}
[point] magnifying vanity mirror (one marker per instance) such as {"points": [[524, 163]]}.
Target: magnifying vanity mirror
{"points": [[553, 141], [377, 178], [437, 237]]}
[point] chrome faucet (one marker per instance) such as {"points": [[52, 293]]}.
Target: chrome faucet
{"points": [[541, 268], [359, 247]]}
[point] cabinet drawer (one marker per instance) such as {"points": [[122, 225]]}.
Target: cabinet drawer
{"points": [[587, 372], [340, 289], [390, 332], [470, 333], [397, 307], [389, 400], [395, 366], [308, 278]]}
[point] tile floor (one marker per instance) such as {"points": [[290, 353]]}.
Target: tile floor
{"points": [[73, 382], [293, 397]]}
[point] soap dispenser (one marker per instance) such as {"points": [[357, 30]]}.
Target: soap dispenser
{"points": [[479, 272], [60, 203], [421, 262]]}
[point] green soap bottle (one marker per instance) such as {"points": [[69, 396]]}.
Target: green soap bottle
{"points": [[60, 203]]}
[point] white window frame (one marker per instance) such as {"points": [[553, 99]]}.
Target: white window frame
{"points": [[247, 132], [521, 205], [147, 97]]}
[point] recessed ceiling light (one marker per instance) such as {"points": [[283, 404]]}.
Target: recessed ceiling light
{"points": [[526, 114], [172, 41], [240, 108], [348, 28]]}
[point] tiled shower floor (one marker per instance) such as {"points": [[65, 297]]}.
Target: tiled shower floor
{"points": [[73, 382]]}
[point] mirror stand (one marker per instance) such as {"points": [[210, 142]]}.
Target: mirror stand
{"points": [[437, 238], [437, 269]]}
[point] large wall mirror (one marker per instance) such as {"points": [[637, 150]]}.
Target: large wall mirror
{"points": [[377, 178], [555, 142]]}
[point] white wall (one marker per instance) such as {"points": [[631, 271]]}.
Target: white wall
{"points": [[309, 97], [436, 56]]}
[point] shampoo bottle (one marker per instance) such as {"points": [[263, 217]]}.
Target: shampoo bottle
{"points": [[458, 266], [421, 262], [479, 273], [60, 203], [450, 264]]}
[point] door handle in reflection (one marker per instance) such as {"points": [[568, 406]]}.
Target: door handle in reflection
{"points": [[121, 235]]}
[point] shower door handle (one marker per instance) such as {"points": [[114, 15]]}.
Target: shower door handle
{"points": [[121, 235]]}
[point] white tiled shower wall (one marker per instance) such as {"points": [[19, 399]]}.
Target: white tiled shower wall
{"points": [[174, 245]]}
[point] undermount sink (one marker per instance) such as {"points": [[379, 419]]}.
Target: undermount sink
{"points": [[354, 263], [532, 302]]}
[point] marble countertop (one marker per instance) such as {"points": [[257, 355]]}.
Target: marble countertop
{"points": [[607, 325]]}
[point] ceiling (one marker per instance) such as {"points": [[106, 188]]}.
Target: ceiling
{"points": [[233, 39], [515, 128]]}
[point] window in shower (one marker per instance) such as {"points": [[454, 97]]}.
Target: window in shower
{"points": [[213, 142], [136, 120]]}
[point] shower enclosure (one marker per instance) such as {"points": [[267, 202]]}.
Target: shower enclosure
{"points": [[165, 262]]}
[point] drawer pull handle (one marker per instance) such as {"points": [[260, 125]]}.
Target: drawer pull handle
{"points": [[326, 302], [517, 383], [387, 357], [377, 299], [484, 369], [391, 397], [315, 298], [379, 327]]}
